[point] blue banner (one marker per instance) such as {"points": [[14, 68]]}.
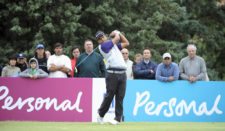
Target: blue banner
{"points": [[179, 101]]}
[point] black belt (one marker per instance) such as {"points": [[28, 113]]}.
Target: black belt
{"points": [[116, 69]]}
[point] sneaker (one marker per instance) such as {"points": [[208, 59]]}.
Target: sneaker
{"points": [[100, 119], [114, 122]]}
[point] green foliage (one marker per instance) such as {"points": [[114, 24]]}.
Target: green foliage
{"points": [[32, 21], [162, 25]]}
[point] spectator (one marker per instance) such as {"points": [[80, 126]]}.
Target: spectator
{"points": [[90, 63], [137, 59], [146, 69], [59, 65], [22, 61], [33, 71], [41, 57], [47, 53], [75, 53], [128, 62], [11, 70], [192, 67], [167, 70]]}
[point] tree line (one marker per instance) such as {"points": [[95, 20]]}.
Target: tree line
{"points": [[162, 25]]}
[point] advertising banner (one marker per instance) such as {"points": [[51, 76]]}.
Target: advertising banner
{"points": [[99, 90], [46, 99], [78, 100], [180, 101]]}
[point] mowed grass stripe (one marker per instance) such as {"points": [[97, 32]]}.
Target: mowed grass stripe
{"points": [[131, 126]]}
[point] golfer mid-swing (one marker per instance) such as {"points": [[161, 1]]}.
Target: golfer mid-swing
{"points": [[115, 74]]}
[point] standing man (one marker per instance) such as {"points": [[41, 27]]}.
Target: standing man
{"points": [[116, 73], [192, 67], [167, 70], [128, 62], [90, 64], [59, 65], [146, 69]]}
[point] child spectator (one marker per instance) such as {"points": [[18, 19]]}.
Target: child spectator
{"points": [[33, 71]]}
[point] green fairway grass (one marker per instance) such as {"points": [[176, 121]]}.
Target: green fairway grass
{"points": [[128, 126]]}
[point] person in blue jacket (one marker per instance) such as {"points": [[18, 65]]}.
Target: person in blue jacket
{"points": [[167, 70], [146, 69]]}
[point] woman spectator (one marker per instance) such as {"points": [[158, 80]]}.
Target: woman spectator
{"points": [[11, 70], [75, 53], [41, 57]]}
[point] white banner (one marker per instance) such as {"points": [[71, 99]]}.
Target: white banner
{"points": [[99, 91]]}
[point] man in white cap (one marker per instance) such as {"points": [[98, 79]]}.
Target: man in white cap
{"points": [[167, 70]]}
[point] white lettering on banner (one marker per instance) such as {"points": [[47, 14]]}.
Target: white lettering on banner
{"points": [[39, 103], [172, 107]]}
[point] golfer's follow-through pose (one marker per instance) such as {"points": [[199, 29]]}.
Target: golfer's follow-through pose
{"points": [[115, 74]]}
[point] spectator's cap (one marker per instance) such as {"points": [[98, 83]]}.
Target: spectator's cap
{"points": [[40, 46], [99, 34], [166, 55], [21, 56]]}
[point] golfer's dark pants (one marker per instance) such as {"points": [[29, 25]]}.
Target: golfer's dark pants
{"points": [[115, 86]]}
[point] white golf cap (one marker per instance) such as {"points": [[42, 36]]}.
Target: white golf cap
{"points": [[166, 55]]}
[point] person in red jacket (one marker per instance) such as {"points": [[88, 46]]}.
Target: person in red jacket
{"points": [[75, 53]]}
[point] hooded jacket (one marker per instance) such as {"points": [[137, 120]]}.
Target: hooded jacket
{"points": [[33, 72]]}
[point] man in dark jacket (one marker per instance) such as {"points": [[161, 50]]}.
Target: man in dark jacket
{"points": [[146, 69], [90, 64]]}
